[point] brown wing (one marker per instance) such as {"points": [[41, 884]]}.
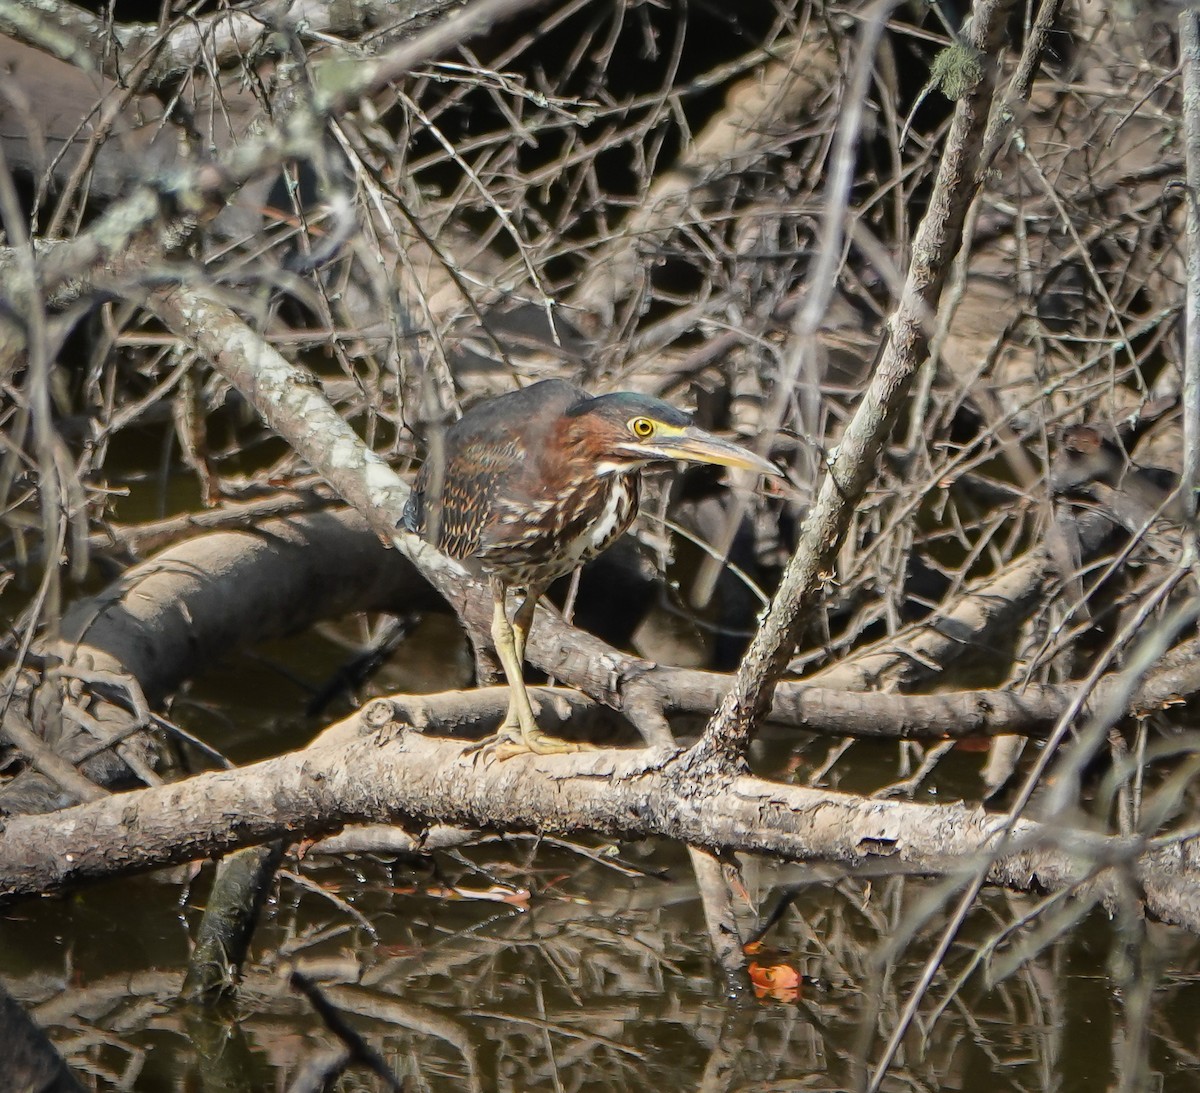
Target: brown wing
{"points": [[475, 480], [486, 470]]}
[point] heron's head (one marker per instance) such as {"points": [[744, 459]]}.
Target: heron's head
{"points": [[626, 430]]}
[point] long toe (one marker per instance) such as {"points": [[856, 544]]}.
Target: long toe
{"points": [[541, 744], [508, 743], [502, 744]]}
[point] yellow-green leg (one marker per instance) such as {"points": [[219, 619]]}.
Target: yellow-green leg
{"points": [[519, 733], [511, 727]]}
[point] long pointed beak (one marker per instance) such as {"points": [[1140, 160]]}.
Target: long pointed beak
{"points": [[697, 446]]}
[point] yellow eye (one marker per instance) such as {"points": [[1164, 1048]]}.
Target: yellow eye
{"points": [[642, 427]]}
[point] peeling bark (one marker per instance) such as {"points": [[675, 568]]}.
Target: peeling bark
{"points": [[390, 774]]}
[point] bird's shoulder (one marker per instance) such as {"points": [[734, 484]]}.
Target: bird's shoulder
{"points": [[526, 412]]}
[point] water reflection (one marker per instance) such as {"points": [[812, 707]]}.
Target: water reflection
{"points": [[603, 982]]}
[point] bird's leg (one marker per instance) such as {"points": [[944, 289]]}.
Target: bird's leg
{"points": [[512, 727], [510, 648], [519, 733]]}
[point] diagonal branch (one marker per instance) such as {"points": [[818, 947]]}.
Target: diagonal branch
{"points": [[960, 174]]}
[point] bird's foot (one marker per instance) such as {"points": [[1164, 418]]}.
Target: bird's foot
{"points": [[510, 741]]}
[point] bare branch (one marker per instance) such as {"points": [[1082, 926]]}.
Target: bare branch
{"points": [[960, 173], [316, 791]]}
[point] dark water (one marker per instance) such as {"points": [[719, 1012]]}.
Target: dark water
{"points": [[604, 982]]}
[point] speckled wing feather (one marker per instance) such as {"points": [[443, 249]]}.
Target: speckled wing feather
{"points": [[474, 483], [458, 500], [453, 498]]}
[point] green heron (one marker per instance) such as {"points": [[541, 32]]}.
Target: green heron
{"points": [[532, 484]]}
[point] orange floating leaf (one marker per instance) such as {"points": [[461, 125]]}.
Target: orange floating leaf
{"points": [[775, 982]]}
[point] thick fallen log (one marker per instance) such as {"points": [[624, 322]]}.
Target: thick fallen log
{"points": [[166, 619], [387, 773]]}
